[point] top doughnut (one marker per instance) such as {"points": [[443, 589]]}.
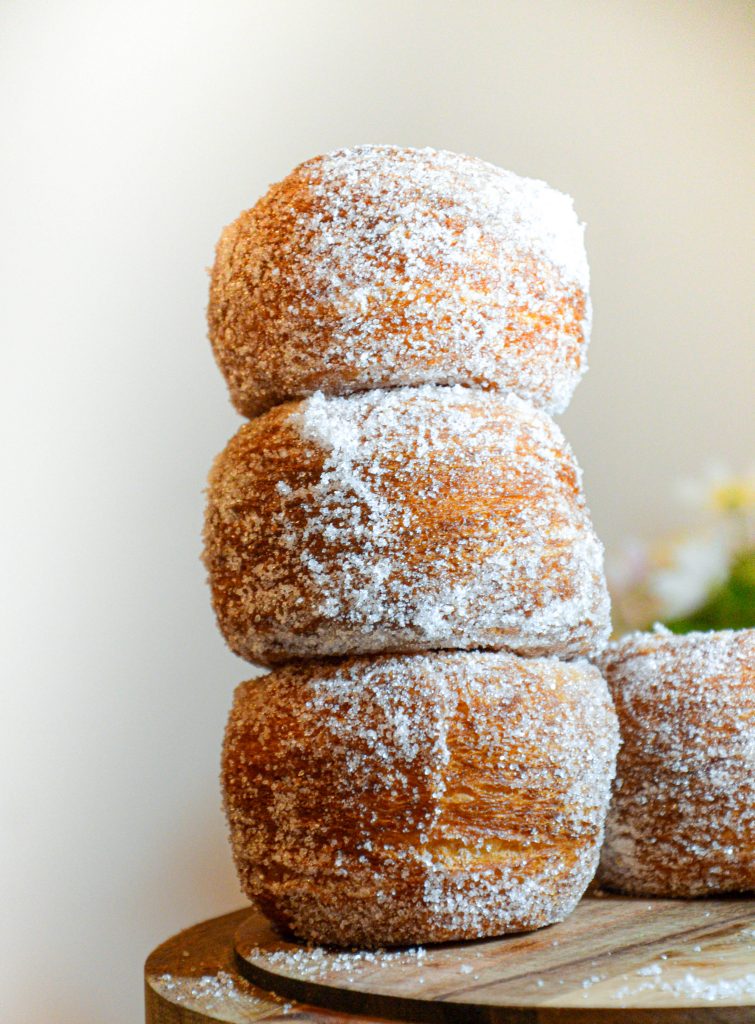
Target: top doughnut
{"points": [[381, 267]]}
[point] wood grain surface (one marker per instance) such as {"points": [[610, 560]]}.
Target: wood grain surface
{"points": [[614, 961], [193, 978]]}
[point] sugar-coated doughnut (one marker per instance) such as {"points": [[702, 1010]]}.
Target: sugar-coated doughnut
{"points": [[384, 267], [682, 818], [398, 521], [418, 798]]}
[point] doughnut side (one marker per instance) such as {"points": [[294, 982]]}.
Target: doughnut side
{"points": [[385, 267], [406, 520], [421, 798], [682, 818]]}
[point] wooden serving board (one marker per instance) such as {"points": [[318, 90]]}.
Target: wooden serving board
{"points": [[613, 960], [192, 978]]}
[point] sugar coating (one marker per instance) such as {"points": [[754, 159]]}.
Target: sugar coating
{"points": [[313, 963], [682, 818], [221, 992], [691, 986], [384, 267], [413, 519], [393, 800]]}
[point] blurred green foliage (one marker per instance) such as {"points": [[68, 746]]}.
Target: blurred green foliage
{"points": [[730, 606]]}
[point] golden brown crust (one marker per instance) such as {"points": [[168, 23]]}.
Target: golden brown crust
{"points": [[386, 267], [682, 819], [419, 798], [414, 519]]}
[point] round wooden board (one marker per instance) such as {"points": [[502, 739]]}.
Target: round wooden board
{"points": [[613, 960], [192, 978]]}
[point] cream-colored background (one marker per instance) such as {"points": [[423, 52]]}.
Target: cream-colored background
{"points": [[131, 133]]}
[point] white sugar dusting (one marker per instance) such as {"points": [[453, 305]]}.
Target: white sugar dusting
{"points": [[414, 519], [650, 969], [682, 818], [313, 963], [349, 786], [689, 987], [379, 266], [522, 214], [217, 991]]}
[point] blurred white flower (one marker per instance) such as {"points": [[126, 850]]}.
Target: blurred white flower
{"points": [[629, 566], [720, 491], [698, 564], [674, 577]]}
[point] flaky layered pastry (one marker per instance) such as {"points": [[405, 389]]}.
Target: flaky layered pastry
{"points": [[384, 267], [682, 817], [421, 798], [405, 520]]}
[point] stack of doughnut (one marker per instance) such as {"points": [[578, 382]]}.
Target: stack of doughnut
{"points": [[400, 532]]}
